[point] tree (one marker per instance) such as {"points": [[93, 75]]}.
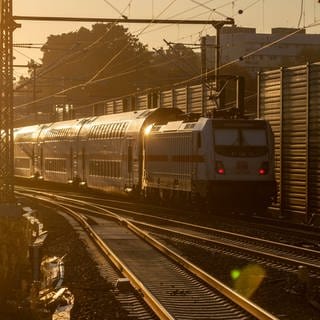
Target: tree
{"points": [[106, 62]]}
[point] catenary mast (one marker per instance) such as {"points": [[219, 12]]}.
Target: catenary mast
{"points": [[7, 25]]}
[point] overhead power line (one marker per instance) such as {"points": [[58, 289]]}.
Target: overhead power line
{"points": [[87, 19]]}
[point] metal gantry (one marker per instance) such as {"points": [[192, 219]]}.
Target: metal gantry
{"points": [[7, 26]]}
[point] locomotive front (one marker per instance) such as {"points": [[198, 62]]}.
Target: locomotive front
{"points": [[243, 170]]}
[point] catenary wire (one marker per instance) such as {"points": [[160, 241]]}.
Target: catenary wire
{"points": [[178, 83]]}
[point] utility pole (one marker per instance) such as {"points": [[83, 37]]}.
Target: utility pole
{"points": [[7, 26]]}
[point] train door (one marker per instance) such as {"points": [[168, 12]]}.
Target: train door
{"points": [[33, 160], [74, 164], [39, 171], [130, 165], [84, 168]]}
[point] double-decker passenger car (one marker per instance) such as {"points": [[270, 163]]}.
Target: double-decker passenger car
{"points": [[158, 153]]}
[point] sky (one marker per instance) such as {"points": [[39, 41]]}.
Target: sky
{"points": [[260, 14]]}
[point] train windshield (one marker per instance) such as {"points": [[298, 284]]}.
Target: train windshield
{"points": [[240, 141], [240, 137]]}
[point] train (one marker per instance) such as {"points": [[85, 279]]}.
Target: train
{"points": [[159, 154]]}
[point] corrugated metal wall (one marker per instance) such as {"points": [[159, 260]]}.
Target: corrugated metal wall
{"points": [[290, 99], [142, 102], [188, 99]]}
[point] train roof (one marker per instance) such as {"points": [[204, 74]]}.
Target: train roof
{"points": [[179, 125], [27, 134], [201, 122], [118, 124]]}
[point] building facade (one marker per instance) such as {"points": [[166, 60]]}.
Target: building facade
{"points": [[237, 42]]}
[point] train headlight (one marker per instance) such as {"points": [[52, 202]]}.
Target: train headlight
{"points": [[220, 167], [148, 129], [264, 168]]}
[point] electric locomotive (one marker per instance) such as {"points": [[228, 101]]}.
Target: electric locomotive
{"points": [[157, 153], [218, 162]]}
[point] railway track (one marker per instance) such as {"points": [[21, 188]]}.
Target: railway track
{"points": [[271, 253], [171, 286], [282, 256]]}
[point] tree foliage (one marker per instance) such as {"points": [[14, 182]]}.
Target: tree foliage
{"points": [[106, 62]]}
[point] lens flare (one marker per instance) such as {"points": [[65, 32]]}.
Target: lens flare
{"points": [[248, 279], [235, 274]]}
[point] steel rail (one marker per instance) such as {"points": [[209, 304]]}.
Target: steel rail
{"points": [[247, 305], [244, 303], [152, 302], [263, 242], [237, 247], [284, 246]]}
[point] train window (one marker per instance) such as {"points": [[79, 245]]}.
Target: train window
{"points": [[189, 125], [22, 163], [240, 137], [57, 165], [254, 137], [105, 168], [227, 137]]}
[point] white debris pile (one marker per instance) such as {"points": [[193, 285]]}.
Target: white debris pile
{"points": [[51, 297], [54, 297]]}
